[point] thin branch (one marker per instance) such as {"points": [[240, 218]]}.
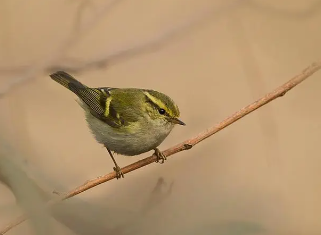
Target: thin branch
{"points": [[188, 144], [254, 76]]}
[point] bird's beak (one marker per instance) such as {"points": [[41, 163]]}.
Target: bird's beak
{"points": [[177, 121]]}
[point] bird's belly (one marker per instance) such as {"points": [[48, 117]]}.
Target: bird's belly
{"points": [[131, 145], [139, 141]]}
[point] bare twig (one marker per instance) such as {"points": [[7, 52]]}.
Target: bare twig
{"points": [[188, 144], [254, 76]]}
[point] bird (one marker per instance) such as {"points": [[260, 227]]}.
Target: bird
{"points": [[126, 121]]}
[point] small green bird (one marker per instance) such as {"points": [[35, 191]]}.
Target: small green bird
{"points": [[128, 121]]}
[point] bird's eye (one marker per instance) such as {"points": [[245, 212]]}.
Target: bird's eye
{"points": [[161, 111]]}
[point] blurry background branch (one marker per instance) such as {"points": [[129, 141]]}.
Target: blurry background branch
{"points": [[81, 217], [157, 195], [57, 60], [189, 143], [56, 54], [310, 11], [69, 213], [28, 195]]}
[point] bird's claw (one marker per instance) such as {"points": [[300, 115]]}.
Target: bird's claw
{"points": [[119, 173], [160, 156]]}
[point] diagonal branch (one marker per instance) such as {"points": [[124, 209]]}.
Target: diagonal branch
{"points": [[188, 144]]}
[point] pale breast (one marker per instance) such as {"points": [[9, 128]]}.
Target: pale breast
{"points": [[143, 137]]}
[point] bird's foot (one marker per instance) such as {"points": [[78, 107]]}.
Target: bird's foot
{"points": [[119, 173], [160, 156]]}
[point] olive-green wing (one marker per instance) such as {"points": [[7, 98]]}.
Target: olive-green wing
{"points": [[97, 99]]}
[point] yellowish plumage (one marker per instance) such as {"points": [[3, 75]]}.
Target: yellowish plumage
{"points": [[128, 121]]}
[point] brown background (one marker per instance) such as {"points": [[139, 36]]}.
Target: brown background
{"points": [[259, 176]]}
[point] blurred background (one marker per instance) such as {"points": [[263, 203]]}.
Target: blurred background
{"points": [[261, 175]]}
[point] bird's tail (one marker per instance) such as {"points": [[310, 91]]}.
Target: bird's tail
{"points": [[67, 80]]}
